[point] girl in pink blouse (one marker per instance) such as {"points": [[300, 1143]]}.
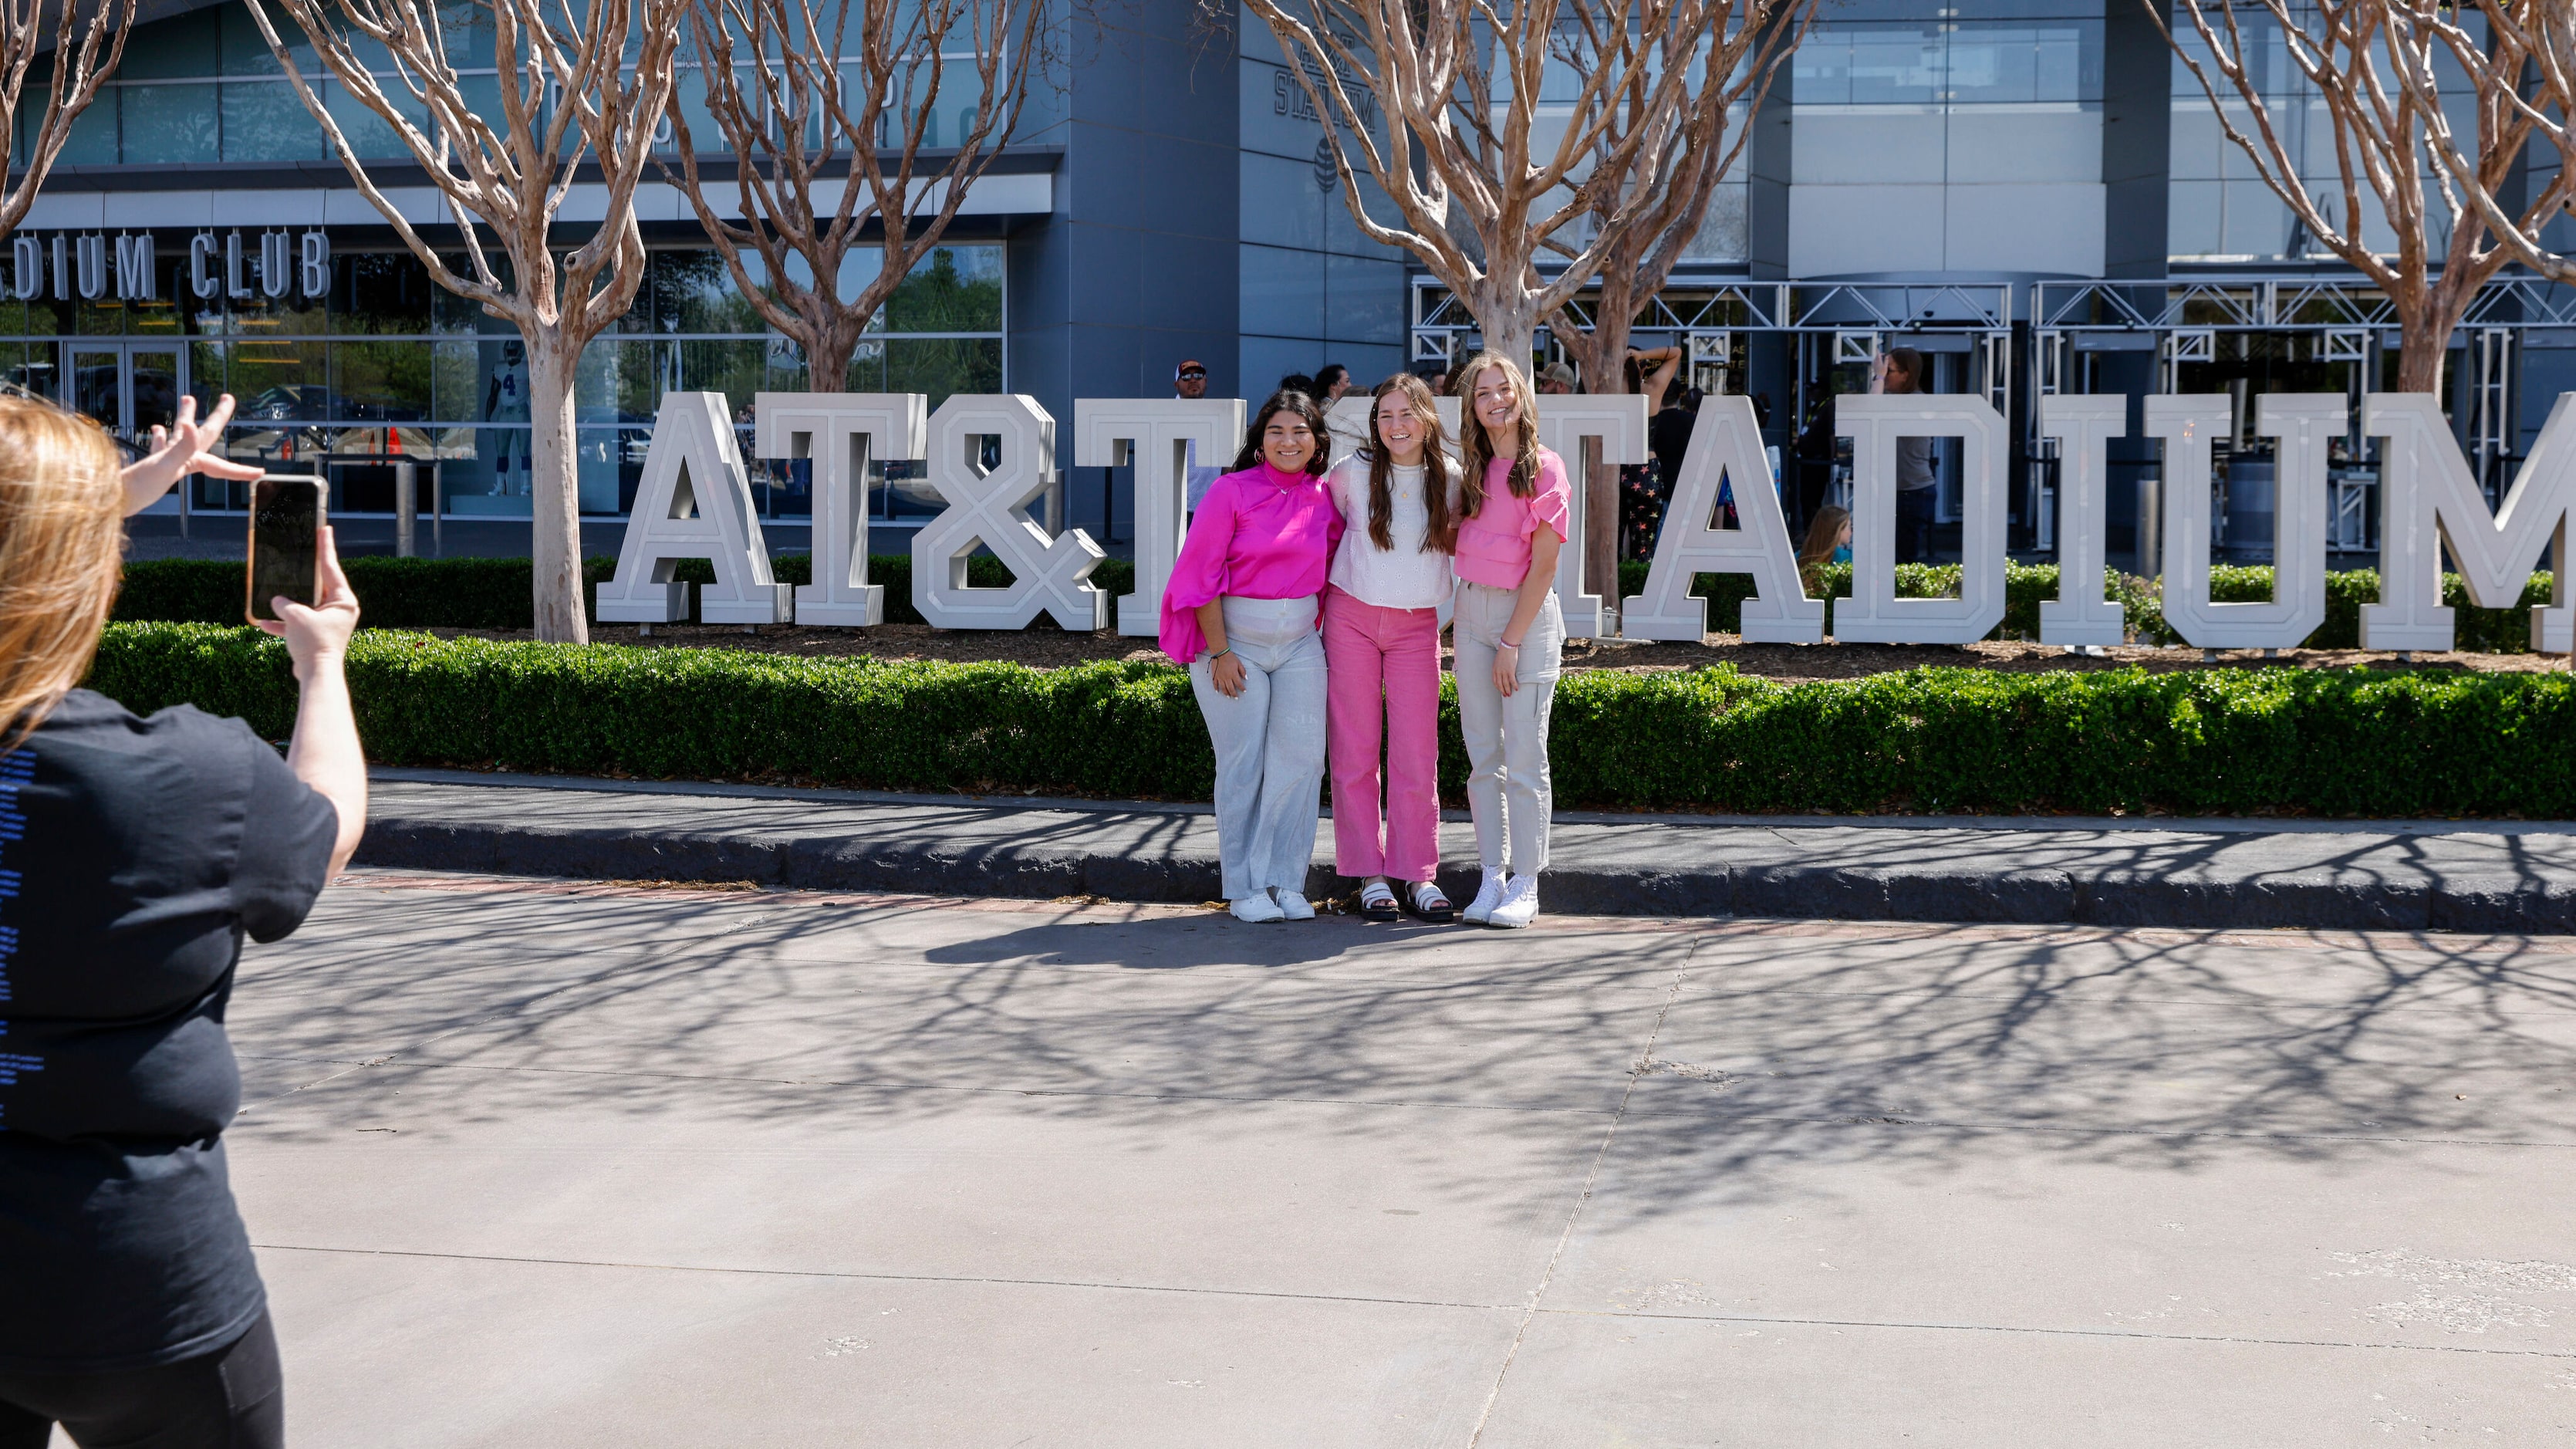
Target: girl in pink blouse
{"points": [[1240, 611], [1510, 636]]}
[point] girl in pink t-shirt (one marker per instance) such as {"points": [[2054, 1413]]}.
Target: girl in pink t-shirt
{"points": [[1510, 636]]}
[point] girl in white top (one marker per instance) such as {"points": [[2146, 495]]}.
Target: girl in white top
{"points": [[1382, 647]]}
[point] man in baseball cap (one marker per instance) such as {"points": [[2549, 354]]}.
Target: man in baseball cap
{"points": [[1189, 380]]}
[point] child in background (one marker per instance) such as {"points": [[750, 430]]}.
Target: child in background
{"points": [[1828, 542]]}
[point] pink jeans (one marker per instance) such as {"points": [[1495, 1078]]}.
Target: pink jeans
{"points": [[1383, 685]]}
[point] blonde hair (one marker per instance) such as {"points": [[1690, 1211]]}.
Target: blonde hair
{"points": [[61, 551], [1476, 449], [1824, 535]]}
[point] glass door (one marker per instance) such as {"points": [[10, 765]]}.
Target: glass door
{"points": [[129, 388], [97, 381], [156, 377]]}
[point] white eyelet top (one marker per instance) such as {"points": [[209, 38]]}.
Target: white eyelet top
{"points": [[1403, 577]]}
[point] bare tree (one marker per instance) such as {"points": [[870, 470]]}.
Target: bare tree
{"points": [[818, 154], [579, 89], [29, 28], [1448, 106], [1685, 150], [2521, 59], [2359, 55]]}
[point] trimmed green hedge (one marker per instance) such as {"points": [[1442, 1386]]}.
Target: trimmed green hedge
{"points": [[496, 593], [2196, 741]]}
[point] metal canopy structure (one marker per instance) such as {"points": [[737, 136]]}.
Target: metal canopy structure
{"points": [[1835, 323]]}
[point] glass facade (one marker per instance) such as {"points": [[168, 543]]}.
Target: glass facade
{"points": [[2221, 211], [388, 365], [1926, 141]]}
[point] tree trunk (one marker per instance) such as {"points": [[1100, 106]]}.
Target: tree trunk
{"points": [[556, 489], [827, 362], [2422, 341], [1510, 330], [1602, 355]]}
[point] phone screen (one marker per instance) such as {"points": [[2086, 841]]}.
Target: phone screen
{"points": [[285, 515]]}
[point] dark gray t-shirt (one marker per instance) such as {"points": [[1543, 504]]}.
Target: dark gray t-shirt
{"points": [[135, 854], [1913, 464]]}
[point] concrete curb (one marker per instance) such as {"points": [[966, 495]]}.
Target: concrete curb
{"points": [[2452, 878]]}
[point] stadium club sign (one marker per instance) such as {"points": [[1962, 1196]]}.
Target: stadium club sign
{"points": [[695, 501], [94, 266]]}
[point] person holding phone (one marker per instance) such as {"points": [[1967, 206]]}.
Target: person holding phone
{"points": [[135, 856], [1240, 611], [1509, 631]]}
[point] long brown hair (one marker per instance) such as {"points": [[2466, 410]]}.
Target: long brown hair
{"points": [[1476, 447], [1286, 401], [1823, 535], [61, 548], [1441, 535]]}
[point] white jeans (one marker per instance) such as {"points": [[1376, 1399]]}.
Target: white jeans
{"points": [[1269, 745], [1507, 784]]}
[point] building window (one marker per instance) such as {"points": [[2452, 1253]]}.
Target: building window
{"points": [[387, 364], [1937, 143]]}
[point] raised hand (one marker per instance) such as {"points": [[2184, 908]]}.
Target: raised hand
{"points": [[186, 446]]}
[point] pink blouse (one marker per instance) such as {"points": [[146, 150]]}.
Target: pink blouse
{"points": [[1494, 546], [1259, 534]]}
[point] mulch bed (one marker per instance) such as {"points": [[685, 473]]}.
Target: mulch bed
{"points": [[1046, 647]]}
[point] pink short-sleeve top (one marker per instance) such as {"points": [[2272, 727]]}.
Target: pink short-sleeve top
{"points": [[1259, 534], [1494, 545]]}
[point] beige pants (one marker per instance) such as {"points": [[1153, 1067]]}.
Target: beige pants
{"points": [[1507, 785]]}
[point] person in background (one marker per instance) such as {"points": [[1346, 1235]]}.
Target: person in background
{"points": [[1653, 373], [1435, 376], [1555, 380], [1813, 456], [1240, 611], [1645, 488], [1331, 384], [1509, 631], [1382, 641], [1189, 381], [136, 854], [1900, 370], [1828, 542], [1299, 383]]}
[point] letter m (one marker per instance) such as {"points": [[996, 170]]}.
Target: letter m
{"points": [[2427, 499], [134, 279]]}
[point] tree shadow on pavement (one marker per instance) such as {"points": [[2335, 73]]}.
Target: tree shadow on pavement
{"points": [[1736, 1059]]}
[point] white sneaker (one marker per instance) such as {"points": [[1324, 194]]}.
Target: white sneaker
{"points": [[1257, 909], [1519, 904], [1488, 896], [1294, 906]]}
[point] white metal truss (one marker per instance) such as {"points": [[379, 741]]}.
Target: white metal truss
{"points": [[2492, 431]]}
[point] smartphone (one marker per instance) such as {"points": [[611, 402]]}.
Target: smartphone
{"points": [[285, 525]]}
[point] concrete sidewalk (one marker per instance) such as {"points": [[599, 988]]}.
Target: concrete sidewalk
{"points": [[533, 1165], [2384, 875]]}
